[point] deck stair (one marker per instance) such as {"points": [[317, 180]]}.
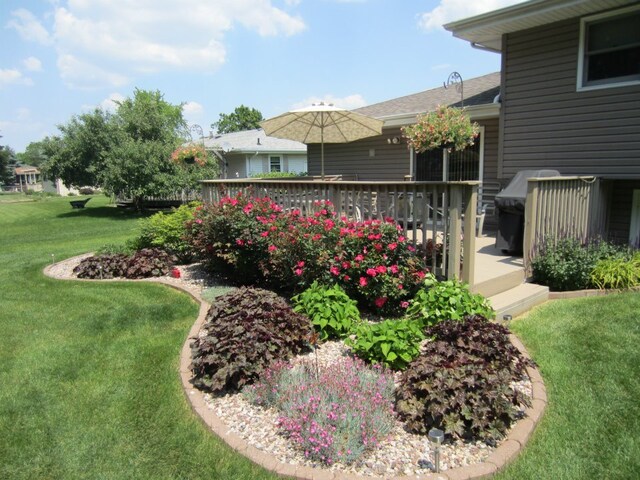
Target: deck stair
{"points": [[501, 278]]}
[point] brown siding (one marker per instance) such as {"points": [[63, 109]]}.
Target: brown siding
{"points": [[548, 124], [390, 162]]}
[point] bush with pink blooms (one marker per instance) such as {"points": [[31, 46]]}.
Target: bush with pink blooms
{"points": [[252, 241], [334, 414]]}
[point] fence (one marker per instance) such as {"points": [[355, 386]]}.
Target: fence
{"points": [[429, 213], [562, 207]]}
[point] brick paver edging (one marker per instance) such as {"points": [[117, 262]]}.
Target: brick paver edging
{"points": [[508, 449]]}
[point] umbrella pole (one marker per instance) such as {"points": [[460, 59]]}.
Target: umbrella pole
{"points": [[322, 146]]}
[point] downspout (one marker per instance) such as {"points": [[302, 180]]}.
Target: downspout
{"points": [[479, 46]]}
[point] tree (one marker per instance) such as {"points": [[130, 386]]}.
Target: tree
{"points": [[78, 155], [6, 161], [242, 118], [33, 155]]}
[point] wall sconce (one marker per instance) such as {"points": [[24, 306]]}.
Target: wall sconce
{"points": [[393, 140], [436, 437]]}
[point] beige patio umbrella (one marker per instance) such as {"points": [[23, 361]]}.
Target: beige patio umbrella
{"points": [[322, 124]]}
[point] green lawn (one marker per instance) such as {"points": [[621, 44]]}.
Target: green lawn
{"points": [[89, 385]]}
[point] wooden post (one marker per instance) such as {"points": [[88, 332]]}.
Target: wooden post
{"points": [[455, 212], [469, 242], [530, 221]]}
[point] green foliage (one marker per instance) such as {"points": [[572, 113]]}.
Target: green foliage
{"points": [[446, 127], [331, 310], [7, 158], [393, 343], [145, 263], [462, 382], [279, 175], [446, 300], [246, 330], [566, 263], [242, 118], [167, 231], [113, 248], [34, 154], [617, 272]]}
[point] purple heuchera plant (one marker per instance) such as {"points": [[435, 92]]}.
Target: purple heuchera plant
{"points": [[334, 414]]}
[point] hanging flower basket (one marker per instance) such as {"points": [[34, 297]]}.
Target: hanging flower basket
{"points": [[447, 128], [189, 155]]}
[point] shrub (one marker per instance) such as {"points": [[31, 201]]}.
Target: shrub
{"points": [[148, 262], [462, 381], [394, 343], [446, 300], [102, 266], [86, 191], [246, 330], [278, 175], [331, 310], [113, 248], [617, 272], [566, 263], [333, 416], [168, 231]]}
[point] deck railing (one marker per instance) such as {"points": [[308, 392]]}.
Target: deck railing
{"points": [[425, 210], [562, 207]]}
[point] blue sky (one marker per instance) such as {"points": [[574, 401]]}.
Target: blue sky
{"points": [[64, 57]]}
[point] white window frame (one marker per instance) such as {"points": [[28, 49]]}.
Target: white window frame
{"points": [[279, 157], [580, 86]]}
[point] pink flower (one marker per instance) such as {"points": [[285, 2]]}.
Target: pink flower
{"points": [[264, 234], [401, 238], [272, 248], [378, 247], [346, 278], [300, 264], [380, 302], [371, 272], [363, 282], [394, 268], [420, 275], [247, 208], [393, 246], [359, 258], [335, 270], [239, 241], [404, 304], [381, 269], [346, 265], [316, 237], [298, 271], [400, 287], [198, 221]]}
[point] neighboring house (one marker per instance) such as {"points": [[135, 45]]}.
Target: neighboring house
{"points": [[570, 97], [251, 152], [28, 178]]}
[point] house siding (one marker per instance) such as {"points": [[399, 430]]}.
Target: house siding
{"points": [[619, 211], [547, 123]]}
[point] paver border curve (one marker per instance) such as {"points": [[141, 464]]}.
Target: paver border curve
{"points": [[505, 453]]}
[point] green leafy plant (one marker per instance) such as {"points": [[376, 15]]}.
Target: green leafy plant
{"points": [[566, 263], [462, 382], [168, 231], [446, 127], [394, 343], [617, 272], [113, 248], [446, 300], [278, 175], [331, 310], [245, 331]]}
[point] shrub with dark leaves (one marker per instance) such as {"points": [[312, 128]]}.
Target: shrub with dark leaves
{"points": [[246, 330], [462, 382], [102, 266], [149, 262]]}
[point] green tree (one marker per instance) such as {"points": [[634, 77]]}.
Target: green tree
{"points": [[78, 155], [33, 155], [242, 118], [7, 160]]}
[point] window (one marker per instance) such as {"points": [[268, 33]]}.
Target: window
{"points": [[275, 164], [610, 49]]}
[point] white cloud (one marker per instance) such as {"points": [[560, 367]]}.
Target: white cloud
{"points": [[79, 74], [109, 104], [32, 64], [29, 27], [349, 102], [191, 109], [451, 10], [11, 76], [148, 35]]}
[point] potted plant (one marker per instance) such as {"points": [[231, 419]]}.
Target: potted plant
{"points": [[448, 128], [190, 154]]}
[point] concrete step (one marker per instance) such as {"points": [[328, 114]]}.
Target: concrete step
{"points": [[493, 286], [519, 299]]}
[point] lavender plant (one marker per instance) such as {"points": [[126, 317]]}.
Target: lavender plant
{"points": [[334, 417]]}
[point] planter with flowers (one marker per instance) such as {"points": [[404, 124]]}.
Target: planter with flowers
{"points": [[447, 128], [189, 155]]}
